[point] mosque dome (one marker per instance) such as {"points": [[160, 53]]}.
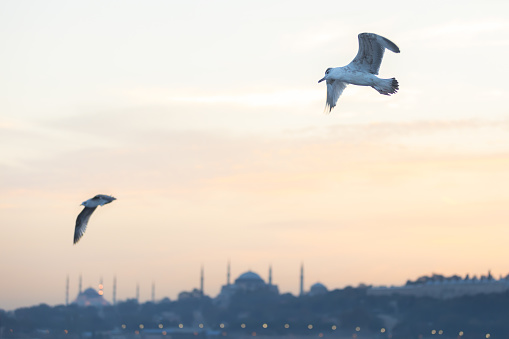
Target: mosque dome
{"points": [[249, 276], [317, 289], [91, 297], [247, 282], [91, 293]]}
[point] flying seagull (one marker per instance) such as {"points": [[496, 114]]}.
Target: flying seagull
{"points": [[84, 216], [362, 70]]}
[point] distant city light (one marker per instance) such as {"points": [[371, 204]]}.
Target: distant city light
{"points": [[164, 332], [123, 326], [357, 328], [264, 325], [200, 326], [460, 334], [334, 327], [221, 325], [243, 325], [433, 331], [160, 325], [253, 334], [287, 325], [136, 332], [320, 335], [141, 326], [100, 292], [382, 330], [310, 326], [181, 325], [100, 286], [66, 331], [487, 335], [440, 332]]}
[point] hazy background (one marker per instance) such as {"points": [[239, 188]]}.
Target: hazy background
{"points": [[205, 120]]}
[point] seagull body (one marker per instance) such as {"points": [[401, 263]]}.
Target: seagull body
{"points": [[84, 216], [363, 69]]}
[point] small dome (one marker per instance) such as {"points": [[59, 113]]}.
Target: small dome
{"points": [[317, 289]]}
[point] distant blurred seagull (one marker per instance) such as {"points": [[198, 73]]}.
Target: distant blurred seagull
{"points": [[84, 216], [362, 70]]}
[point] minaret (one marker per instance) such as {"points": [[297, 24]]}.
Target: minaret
{"points": [[79, 286], [301, 279], [270, 275], [114, 290], [201, 281], [153, 292], [67, 291], [228, 274]]}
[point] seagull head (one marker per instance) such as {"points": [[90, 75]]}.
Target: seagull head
{"points": [[326, 75]]}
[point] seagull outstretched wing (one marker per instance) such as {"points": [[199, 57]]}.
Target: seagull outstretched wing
{"points": [[82, 222], [334, 90], [371, 51]]}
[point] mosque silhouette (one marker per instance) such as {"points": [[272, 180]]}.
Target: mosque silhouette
{"points": [[246, 282]]}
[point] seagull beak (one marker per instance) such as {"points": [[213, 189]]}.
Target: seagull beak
{"points": [[322, 79]]}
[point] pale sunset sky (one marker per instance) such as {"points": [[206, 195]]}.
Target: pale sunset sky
{"points": [[205, 120]]}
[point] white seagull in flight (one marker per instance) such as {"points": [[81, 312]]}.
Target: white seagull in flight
{"points": [[362, 70], [84, 216]]}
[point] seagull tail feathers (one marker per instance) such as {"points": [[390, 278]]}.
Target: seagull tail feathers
{"points": [[387, 86]]}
